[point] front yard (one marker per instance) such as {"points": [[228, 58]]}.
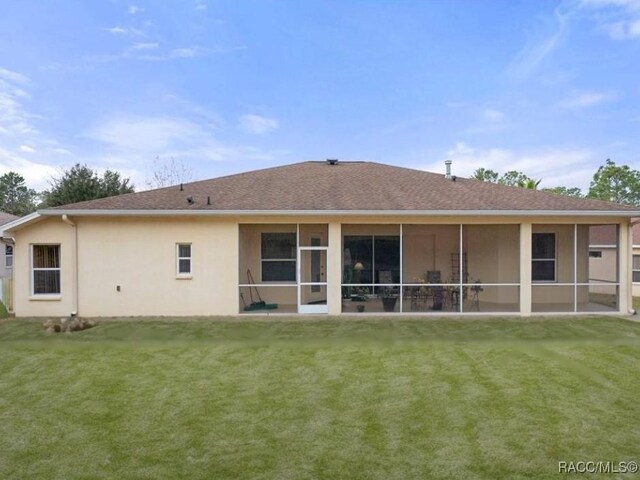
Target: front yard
{"points": [[379, 398]]}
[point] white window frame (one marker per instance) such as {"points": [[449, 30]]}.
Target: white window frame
{"points": [[180, 274], [554, 259], [294, 260], [8, 256], [633, 270], [32, 270]]}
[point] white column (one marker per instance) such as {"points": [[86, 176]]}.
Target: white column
{"points": [[624, 262], [525, 269], [334, 269]]}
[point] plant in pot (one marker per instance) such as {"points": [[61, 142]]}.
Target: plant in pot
{"points": [[389, 297]]}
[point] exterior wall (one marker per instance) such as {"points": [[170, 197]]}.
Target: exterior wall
{"points": [[603, 268], [138, 254], [48, 231]]}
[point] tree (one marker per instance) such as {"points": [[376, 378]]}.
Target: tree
{"points": [[616, 183], [568, 191], [169, 173], [81, 183], [512, 178], [486, 175], [15, 197]]}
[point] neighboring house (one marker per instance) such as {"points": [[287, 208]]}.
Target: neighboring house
{"points": [[603, 254], [320, 237], [6, 247]]}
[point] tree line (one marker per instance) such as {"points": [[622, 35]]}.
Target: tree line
{"points": [[611, 182]]}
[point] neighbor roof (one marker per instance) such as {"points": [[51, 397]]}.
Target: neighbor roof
{"points": [[606, 235], [6, 218], [346, 186]]}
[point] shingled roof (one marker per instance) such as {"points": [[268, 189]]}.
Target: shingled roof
{"points": [[346, 186]]}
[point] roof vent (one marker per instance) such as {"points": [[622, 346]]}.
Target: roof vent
{"points": [[190, 200], [332, 161], [447, 164]]}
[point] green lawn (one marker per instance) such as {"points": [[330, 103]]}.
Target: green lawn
{"points": [[291, 399]]}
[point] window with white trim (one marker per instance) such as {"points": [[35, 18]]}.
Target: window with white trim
{"points": [[183, 259], [45, 269], [278, 257], [635, 269], [543, 257], [8, 256]]}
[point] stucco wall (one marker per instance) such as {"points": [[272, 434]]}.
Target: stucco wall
{"points": [[139, 255], [48, 231]]}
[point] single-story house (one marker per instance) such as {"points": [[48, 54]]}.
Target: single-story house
{"points": [[320, 237], [603, 254]]}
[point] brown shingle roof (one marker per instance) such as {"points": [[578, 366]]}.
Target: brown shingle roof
{"points": [[606, 234], [345, 186], [6, 218]]}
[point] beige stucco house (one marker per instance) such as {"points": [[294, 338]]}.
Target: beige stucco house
{"points": [[320, 237]]}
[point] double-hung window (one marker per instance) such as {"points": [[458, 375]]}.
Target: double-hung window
{"points": [[8, 256], [278, 257], [635, 269], [183, 260], [543, 257], [45, 269]]}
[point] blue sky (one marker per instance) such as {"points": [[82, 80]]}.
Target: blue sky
{"points": [[550, 88]]}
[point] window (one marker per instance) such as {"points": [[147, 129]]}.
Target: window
{"points": [[378, 255], [635, 269], [595, 254], [183, 259], [8, 256], [45, 271], [543, 257], [278, 260]]}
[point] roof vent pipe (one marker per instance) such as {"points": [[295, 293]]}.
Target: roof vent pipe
{"points": [[448, 166]]}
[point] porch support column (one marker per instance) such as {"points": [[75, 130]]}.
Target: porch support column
{"points": [[624, 261], [525, 269], [334, 269]]}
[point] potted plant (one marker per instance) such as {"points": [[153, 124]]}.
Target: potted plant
{"points": [[389, 297]]}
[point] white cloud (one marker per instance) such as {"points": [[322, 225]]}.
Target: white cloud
{"points": [[492, 115], [258, 124], [36, 174], [134, 9], [201, 5], [145, 46], [555, 166], [138, 140], [12, 76], [144, 133], [26, 149], [620, 19], [541, 44], [587, 99], [124, 31], [14, 117]]}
